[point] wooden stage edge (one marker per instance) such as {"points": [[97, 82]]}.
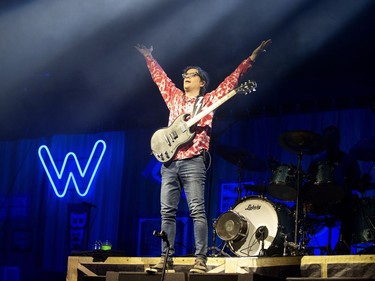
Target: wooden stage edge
{"points": [[359, 266]]}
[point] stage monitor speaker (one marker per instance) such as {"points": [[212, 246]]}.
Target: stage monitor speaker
{"points": [[181, 276], [94, 278], [143, 276], [327, 279], [221, 277], [264, 277]]}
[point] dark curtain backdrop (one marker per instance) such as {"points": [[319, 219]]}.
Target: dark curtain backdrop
{"points": [[34, 221], [125, 192]]}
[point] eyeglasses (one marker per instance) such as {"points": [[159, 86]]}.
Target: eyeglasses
{"points": [[189, 75]]}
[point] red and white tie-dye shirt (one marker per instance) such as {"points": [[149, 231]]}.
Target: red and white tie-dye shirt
{"points": [[178, 104]]}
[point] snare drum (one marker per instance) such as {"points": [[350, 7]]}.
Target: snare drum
{"points": [[241, 226]]}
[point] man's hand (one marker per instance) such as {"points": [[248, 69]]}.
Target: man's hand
{"points": [[260, 49], [144, 50]]}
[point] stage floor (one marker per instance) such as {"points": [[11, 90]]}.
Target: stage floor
{"points": [[358, 266]]}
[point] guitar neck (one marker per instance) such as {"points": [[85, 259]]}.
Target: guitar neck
{"points": [[209, 109]]}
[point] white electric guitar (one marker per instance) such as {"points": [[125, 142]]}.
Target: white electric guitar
{"points": [[165, 142]]}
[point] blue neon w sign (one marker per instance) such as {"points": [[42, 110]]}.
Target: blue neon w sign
{"points": [[81, 178]]}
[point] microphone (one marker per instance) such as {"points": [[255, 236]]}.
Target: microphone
{"points": [[261, 233], [160, 234]]}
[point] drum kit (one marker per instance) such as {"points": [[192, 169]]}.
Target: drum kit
{"points": [[256, 226]]}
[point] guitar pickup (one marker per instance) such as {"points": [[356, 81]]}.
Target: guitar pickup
{"points": [[173, 135], [183, 127], [167, 140]]}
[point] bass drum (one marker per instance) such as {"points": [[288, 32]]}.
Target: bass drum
{"points": [[252, 220]]}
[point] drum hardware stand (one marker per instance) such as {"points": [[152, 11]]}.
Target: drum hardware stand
{"points": [[290, 247], [296, 219], [261, 234], [299, 231], [262, 252], [300, 142], [329, 242], [215, 251], [341, 248], [243, 160], [247, 190], [239, 189], [304, 239], [330, 224], [286, 246]]}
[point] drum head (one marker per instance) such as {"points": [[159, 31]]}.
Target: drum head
{"points": [[260, 214], [231, 226]]}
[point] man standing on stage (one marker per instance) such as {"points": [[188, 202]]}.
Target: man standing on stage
{"points": [[187, 169]]}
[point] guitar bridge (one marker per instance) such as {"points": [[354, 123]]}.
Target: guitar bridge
{"points": [[164, 156]]}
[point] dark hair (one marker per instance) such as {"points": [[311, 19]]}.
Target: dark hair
{"points": [[202, 74]]}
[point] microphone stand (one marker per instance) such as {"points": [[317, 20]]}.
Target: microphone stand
{"points": [[164, 237]]}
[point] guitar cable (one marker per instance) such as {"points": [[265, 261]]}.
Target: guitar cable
{"points": [[207, 159]]}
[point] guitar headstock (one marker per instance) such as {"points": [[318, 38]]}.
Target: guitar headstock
{"points": [[247, 87]]}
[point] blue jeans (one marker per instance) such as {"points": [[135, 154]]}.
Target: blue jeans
{"points": [[189, 174]]}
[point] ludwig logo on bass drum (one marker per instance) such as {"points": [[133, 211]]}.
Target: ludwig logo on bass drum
{"points": [[251, 207]]}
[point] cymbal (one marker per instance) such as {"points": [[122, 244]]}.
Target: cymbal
{"points": [[242, 158], [364, 150], [302, 141]]}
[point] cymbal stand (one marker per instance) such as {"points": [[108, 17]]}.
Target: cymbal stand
{"points": [[216, 251], [239, 172], [296, 218], [304, 239]]}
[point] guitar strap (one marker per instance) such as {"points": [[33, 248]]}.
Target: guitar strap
{"points": [[197, 105]]}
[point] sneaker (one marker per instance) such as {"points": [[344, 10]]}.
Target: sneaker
{"points": [[199, 266], [159, 267]]}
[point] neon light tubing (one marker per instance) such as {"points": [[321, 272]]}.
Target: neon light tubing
{"points": [[46, 157]]}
